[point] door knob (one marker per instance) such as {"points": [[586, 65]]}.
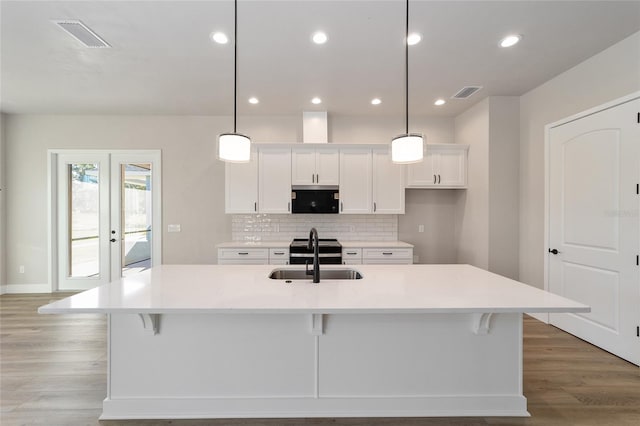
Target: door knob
{"points": [[554, 251]]}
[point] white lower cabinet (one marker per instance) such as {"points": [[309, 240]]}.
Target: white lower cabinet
{"points": [[253, 256], [242, 256], [279, 256], [351, 256], [377, 256], [381, 256]]}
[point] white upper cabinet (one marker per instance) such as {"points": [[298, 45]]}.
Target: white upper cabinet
{"points": [[444, 166], [388, 184], [355, 181], [241, 186], [311, 166], [274, 183]]}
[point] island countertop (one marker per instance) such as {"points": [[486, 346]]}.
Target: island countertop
{"points": [[245, 289]]}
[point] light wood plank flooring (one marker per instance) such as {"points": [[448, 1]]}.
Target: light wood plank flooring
{"points": [[53, 372]]}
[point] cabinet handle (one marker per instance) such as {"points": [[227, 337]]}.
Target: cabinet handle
{"points": [[317, 178], [243, 252], [313, 178], [289, 206], [351, 253], [255, 206], [280, 253], [387, 253], [375, 207], [438, 178], [341, 206], [434, 179]]}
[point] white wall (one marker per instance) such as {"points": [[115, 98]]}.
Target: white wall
{"points": [[487, 212], [613, 73], [472, 205], [193, 180], [504, 185], [3, 190]]}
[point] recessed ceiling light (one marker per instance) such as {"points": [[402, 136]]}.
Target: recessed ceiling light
{"points": [[413, 38], [253, 101], [510, 40], [220, 38], [316, 101], [440, 102], [319, 38], [376, 101]]}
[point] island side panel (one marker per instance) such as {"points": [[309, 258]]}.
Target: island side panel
{"points": [[212, 356], [286, 365]]}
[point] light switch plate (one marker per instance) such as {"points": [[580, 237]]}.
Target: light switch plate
{"points": [[173, 228]]}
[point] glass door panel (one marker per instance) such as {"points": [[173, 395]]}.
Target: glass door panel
{"points": [[136, 217], [84, 220]]}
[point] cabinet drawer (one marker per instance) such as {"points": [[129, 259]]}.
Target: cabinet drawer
{"points": [[351, 256], [279, 256], [388, 254], [239, 254]]}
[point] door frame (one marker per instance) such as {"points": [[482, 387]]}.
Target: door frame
{"points": [[52, 203], [544, 317]]}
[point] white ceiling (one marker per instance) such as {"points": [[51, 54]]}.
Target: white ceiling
{"points": [[163, 62]]}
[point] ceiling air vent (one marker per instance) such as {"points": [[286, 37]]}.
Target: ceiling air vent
{"points": [[82, 33], [466, 91]]}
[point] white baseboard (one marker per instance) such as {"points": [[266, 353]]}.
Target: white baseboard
{"points": [[542, 316], [26, 288]]}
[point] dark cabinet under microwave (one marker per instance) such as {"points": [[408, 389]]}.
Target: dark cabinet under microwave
{"points": [[315, 199]]}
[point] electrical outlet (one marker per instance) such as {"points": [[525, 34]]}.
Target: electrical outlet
{"points": [[173, 228], [420, 228], [21, 269]]}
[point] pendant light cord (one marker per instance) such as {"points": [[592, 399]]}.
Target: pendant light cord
{"points": [[235, 62], [406, 71]]}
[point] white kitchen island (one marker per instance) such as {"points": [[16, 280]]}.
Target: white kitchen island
{"points": [[214, 341]]}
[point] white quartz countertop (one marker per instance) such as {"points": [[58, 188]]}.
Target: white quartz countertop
{"points": [[285, 244], [247, 289], [375, 244]]}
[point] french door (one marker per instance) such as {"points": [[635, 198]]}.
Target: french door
{"points": [[594, 230], [108, 207]]}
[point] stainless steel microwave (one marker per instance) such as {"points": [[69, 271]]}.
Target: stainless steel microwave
{"points": [[315, 199]]}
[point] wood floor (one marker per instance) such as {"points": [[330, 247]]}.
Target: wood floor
{"points": [[53, 372]]}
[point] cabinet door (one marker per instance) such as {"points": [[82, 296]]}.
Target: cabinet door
{"points": [[422, 174], [388, 184], [303, 167], [355, 181], [328, 167], [274, 183], [241, 186], [452, 170]]}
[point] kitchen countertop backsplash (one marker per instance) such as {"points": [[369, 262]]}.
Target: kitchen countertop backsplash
{"points": [[275, 227]]}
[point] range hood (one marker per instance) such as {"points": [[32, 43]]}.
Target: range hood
{"points": [[315, 128]]}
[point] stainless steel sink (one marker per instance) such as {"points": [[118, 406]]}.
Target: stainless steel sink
{"points": [[325, 274]]}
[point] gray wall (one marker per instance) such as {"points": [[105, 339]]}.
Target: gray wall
{"points": [[3, 190], [193, 180], [611, 74], [486, 225]]}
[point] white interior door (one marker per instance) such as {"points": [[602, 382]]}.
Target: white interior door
{"points": [[108, 205], [594, 169]]}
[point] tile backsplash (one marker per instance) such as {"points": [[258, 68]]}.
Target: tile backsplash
{"points": [[275, 227]]}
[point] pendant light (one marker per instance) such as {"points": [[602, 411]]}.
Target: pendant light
{"points": [[234, 147], [407, 148]]}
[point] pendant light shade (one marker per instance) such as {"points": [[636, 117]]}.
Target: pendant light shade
{"points": [[234, 147], [407, 148]]}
